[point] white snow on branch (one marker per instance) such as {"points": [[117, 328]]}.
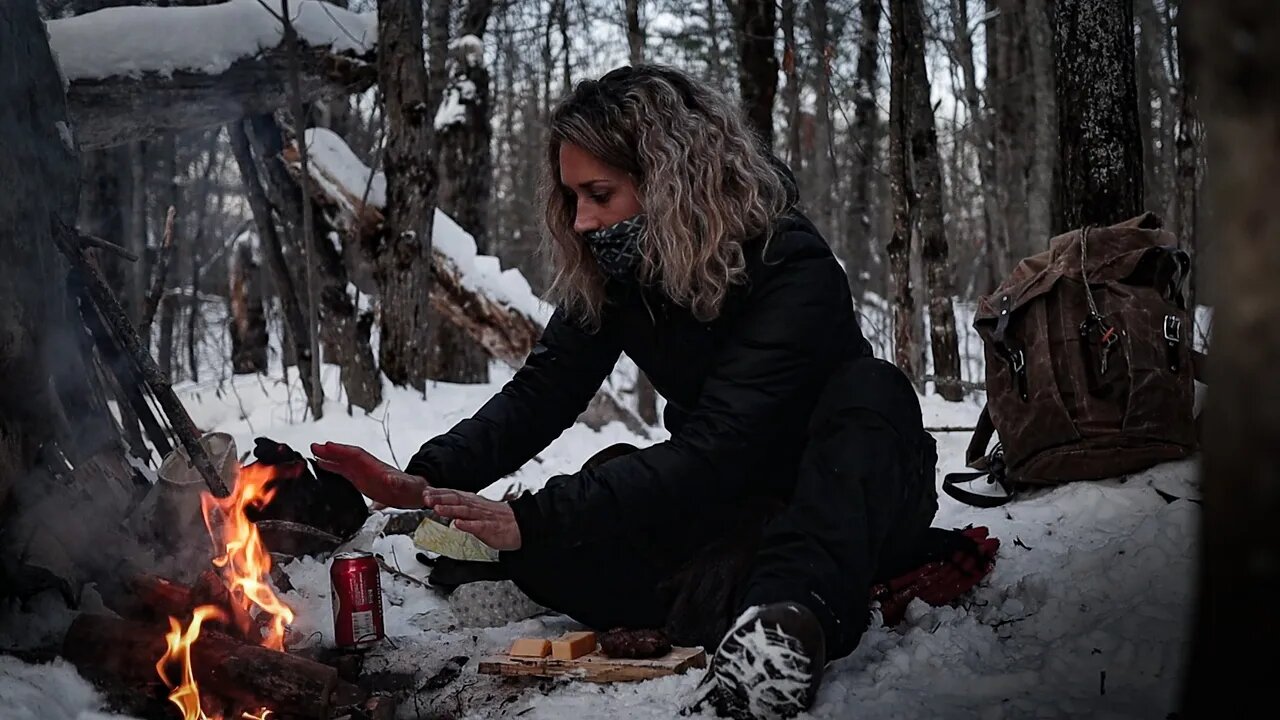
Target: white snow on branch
{"points": [[453, 108], [207, 39], [468, 50], [347, 179]]}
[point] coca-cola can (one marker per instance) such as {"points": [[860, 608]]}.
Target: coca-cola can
{"points": [[357, 600]]}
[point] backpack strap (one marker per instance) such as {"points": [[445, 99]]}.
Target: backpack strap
{"points": [[988, 465]]}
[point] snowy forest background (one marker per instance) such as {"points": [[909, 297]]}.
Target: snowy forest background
{"points": [[817, 77], [936, 142]]}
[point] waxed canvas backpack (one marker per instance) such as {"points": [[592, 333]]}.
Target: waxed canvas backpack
{"points": [[1090, 369]]}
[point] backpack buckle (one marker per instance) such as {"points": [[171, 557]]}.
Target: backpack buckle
{"points": [[1173, 338], [1017, 361]]}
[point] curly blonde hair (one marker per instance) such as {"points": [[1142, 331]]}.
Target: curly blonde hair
{"points": [[706, 185]]}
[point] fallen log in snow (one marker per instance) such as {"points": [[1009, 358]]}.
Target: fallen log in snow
{"points": [[497, 308], [132, 72]]}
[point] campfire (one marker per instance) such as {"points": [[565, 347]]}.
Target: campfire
{"points": [[245, 565], [224, 655]]}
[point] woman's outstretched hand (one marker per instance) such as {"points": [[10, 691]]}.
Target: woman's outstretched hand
{"points": [[493, 522], [375, 479]]}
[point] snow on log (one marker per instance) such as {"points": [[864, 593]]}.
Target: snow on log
{"points": [[132, 72], [495, 307]]}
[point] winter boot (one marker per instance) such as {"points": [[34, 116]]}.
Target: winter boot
{"points": [[769, 665]]}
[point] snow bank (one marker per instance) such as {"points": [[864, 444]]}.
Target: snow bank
{"points": [[136, 40], [345, 177], [51, 691]]}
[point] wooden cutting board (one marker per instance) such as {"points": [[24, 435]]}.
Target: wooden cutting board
{"points": [[597, 667]]}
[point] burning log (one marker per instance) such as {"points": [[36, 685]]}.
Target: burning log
{"points": [[118, 652]]}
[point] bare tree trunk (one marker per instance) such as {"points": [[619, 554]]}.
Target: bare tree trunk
{"points": [[906, 344], [863, 135], [1044, 133], [979, 134], [928, 185], [164, 350], [248, 322], [297, 329], [757, 64], [828, 172], [140, 271], [404, 268], [566, 45], [193, 314], [1099, 143], [307, 226], [791, 90], [1186, 179], [344, 330], [465, 185], [715, 62], [1155, 109], [1239, 565], [635, 33]]}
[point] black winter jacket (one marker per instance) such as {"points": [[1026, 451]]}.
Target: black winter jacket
{"points": [[739, 392]]}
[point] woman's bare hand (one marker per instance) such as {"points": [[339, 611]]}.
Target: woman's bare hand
{"points": [[375, 479], [493, 522]]}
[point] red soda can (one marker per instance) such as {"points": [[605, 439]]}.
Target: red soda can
{"points": [[357, 599]]}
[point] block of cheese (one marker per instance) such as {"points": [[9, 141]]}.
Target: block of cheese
{"points": [[574, 645], [531, 647]]}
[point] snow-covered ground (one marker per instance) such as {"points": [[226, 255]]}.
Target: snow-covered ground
{"points": [[1085, 615]]}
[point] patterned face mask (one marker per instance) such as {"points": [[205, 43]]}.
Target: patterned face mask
{"points": [[617, 247]]}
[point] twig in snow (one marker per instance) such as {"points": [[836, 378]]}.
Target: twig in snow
{"points": [[386, 433]]}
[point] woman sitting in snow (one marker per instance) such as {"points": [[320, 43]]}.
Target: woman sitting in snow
{"points": [[798, 472]]}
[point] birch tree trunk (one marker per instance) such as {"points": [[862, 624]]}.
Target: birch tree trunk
{"points": [[1239, 564], [403, 267], [1100, 145]]}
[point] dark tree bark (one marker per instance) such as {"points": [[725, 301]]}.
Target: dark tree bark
{"points": [[41, 171], [1187, 162], [248, 322], [164, 348], [1238, 82], [864, 135], [343, 330], [297, 330], [929, 190], [906, 345], [466, 171], [1100, 145], [978, 132], [791, 90], [635, 33], [756, 27], [404, 268], [828, 175]]}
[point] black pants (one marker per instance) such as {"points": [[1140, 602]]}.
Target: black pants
{"points": [[863, 498]]}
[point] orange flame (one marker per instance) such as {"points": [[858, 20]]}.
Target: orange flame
{"points": [[246, 568], [245, 562]]}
